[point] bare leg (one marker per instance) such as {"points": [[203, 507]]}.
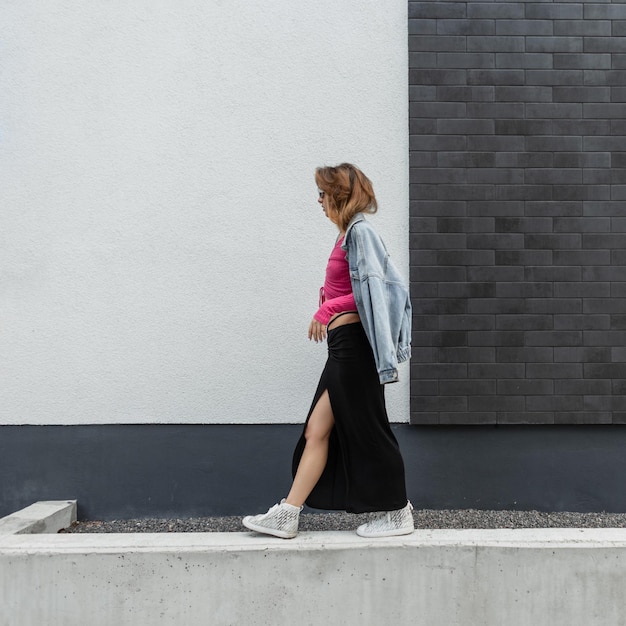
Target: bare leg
{"points": [[315, 455]]}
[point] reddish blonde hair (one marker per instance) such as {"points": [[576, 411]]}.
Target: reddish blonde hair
{"points": [[349, 192]]}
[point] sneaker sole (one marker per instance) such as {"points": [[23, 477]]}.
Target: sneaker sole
{"points": [[282, 534], [387, 533]]}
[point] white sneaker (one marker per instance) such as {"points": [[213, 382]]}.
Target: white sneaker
{"points": [[281, 521], [389, 523]]}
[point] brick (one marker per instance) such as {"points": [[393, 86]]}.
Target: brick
{"points": [[604, 305], [618, 224], [582, 159], [608, 208], [523, 322], [553, 176], [490, 273], [466, 192], [604, 273], [495, 77], [422, 92], [604, 370], [552, 403], [466, 355], [466, 159], [524, 159], [465, 257], [544, 11], [522, 225], [525, 93], [604, 110], [495, 10], [604, 77], [425, 10], [524, 257], [467, 290], [436, 274], [605, 44], [597, 177], [618, 28], [553, 208], [438, 109], [553, 78], [537, 28], [533, 60], [497, 306], [466, 322], [581, 94], [469, 127], [440, 306], [508, 110], [500, 176], [436, 241], [554, 370], [525, 387], [581, 127], [436, 43], [554, 144], [524, 289], [422, 27], [440, 403], [425, 322], [483, 418], [437, 77], [496, 370], [436, 208], [605, 337], [498, 403], [482, 60], [423, 159], [423, 257], [433, 143], [569, 110], [582, 417], [554, 44], [423, 419], [526, 417], [553, 338], [495, 338], [552, 273], [618, 159], [439, 370], [523, 127], [436, 175], [506, 143], [618, 192], [545, 306], [581, 257], [582, 355], [466, 27], [482, 93], [422, 60], [423, 191], [420, 126], [552, 241], [499, 207], [465, 225], [467, 387], [586, 28], [614, 240], [571, 192], [496, 44], [424, 387], [604, 11], [448, 338], [618, 290], [582, 290], [580, 386]]}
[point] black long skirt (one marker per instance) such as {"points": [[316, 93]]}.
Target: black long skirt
{"points": [[364, 471]]}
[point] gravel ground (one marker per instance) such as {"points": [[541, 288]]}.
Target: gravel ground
{"points": [[467, 518]]}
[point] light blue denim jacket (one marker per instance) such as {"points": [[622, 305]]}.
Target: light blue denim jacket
{"points": [[381, 296]]}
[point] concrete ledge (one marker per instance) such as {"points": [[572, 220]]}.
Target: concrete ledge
{"points": [[526, 577], [41, 517]]}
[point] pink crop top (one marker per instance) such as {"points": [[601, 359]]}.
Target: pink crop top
{"points": [[336, 295]]}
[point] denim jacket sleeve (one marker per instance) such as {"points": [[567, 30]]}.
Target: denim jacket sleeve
{"points": [[381, 296]]}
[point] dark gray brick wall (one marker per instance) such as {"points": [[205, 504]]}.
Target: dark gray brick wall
{"points": [[518, 211]]}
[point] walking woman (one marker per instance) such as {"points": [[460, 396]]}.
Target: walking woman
{"points": [[347, 457]]}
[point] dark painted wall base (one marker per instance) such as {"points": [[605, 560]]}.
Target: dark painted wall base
{"points": [[194, 470]]}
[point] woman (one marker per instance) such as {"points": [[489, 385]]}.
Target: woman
{"points": [[347, 457]]}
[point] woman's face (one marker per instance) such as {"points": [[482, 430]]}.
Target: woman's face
{"points": [[323, 200]]}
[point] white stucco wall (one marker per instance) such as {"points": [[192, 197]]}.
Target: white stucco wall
{"points": [[161, 247]]}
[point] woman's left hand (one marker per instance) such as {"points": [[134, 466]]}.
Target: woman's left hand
{"points": [[317, 331]]}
